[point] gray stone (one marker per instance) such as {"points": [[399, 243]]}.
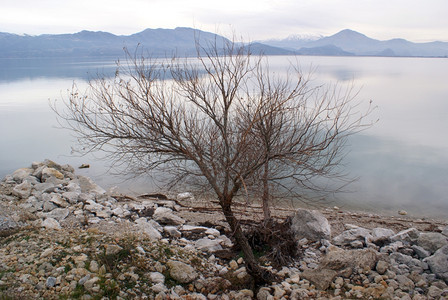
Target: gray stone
{"points": [[48, 206], [408, 236], [431, 241], [181, 272], [206, 244], [51, 282], [165, 216], [310, 224], [420, 251], [45, 187], [407, 260], [22, 190], [381, 235], [88, 186], [405, 283], [8, 224], [438, 263], [349, 236], [58, 214]]}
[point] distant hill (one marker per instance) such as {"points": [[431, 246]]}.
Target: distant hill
{"points": [[349, 42], [181, 42], [157, 42]]}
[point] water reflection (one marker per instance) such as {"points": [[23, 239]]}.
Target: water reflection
{"points": [[401, 162]]}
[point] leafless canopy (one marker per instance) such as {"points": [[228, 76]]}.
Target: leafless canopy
{"points": [[222, 119]]}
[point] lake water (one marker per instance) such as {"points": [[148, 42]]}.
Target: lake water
{"points": [[401, 162]]}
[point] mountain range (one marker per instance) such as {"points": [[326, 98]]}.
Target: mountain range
{"points": [[181, 41]]}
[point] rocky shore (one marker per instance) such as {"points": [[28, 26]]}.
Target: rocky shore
{"points": [[64, 237]]}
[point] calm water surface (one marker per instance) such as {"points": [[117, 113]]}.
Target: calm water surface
{"points": [[401, 162]]}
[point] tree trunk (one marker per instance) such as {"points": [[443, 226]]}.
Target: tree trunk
{"points": [[265, 196], [260, 274]]}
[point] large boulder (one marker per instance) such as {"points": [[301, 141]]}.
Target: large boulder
{"points": [[310, 224]]}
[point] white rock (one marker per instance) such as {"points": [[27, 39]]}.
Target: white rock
{"points": [[148, 229], [213, 232], [310, 224], [156, 277], [208, 245], [185, 196], [51, 223], [165, 215], [224, 241]]}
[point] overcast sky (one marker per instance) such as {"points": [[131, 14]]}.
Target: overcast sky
{"points": [[415, 20]]}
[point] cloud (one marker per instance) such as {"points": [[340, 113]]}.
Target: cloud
{"points": [[381, 19]]}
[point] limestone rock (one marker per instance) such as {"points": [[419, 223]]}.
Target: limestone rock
{"points": [[181, 272], [310, 224], [148, 229], [381, 235], [321, 278], [51, 172], [88, 186], [165, 216], [340, 259], [22, 190], [51, 223], [349, 236], [206, 244]]}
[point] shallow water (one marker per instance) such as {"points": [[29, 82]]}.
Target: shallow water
{"points": [[401, 162]]}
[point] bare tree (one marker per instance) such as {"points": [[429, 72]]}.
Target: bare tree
{"points": [[221, 119]]}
